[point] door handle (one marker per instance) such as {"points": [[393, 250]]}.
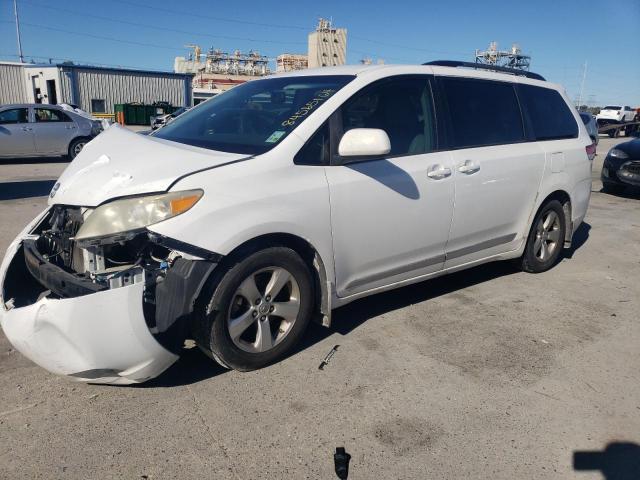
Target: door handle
{"points": [[438, 172], [27, 129], [468, 167]]}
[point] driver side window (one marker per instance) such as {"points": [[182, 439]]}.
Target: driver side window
{"points": [[402, 107]]}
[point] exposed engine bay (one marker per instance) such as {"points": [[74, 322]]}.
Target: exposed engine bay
{"points": [[53, 264], [111, 262]]}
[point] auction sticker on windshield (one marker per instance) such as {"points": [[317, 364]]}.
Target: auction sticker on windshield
{"points": [[275, 136], [308, 107]]}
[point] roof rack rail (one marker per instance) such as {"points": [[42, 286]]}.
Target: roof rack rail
{"points": [[482, 66]]}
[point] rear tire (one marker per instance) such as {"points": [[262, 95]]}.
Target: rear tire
{"points": [[238, 323], [76, 146], [546, 238]]}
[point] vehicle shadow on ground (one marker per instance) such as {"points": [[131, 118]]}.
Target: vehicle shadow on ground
{"points": [[30, 189], [32, 160], [193, 366], [579, 239], [631, 193], [618, 461]]}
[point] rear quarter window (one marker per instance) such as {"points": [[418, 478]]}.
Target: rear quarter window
{"points": [[586, 118], [482, 112], [550, 116]]}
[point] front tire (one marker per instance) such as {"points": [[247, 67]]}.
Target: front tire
{"points": [[257, 311], [546, 239]]}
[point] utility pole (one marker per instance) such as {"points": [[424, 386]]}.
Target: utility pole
{"points": [[15, 12], [584, 76]]}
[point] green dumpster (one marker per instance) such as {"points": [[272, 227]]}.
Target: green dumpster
{"points": [[140, 114]]}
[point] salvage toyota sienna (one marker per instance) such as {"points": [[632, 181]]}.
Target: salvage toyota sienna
{"points": [[269, 205]]}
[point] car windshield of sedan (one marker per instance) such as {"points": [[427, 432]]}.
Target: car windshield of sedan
{"points": [[253, 117], [612, 108]]}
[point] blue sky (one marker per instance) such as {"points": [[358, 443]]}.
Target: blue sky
{"points": [[560, 35]]}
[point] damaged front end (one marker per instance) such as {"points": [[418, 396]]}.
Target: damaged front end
{"points": [[108, 309]]}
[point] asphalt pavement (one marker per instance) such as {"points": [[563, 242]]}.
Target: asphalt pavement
{"points": [[486, 374]]}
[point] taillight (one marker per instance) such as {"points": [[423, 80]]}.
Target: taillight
{"points": [[591, 151]]}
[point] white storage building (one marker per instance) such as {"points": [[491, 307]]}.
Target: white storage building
{"points": [[93, 89]]}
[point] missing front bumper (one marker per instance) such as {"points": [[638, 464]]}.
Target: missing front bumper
{"points": [[105, 331], [71, 325]]}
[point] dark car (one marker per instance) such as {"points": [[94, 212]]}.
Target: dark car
{"points": [[621, 167], [162, 120]]}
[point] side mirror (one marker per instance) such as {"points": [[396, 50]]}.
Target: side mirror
{"points": [[364, 142]]}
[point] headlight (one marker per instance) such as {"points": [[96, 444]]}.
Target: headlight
{"points": [[615, 153], [136, 213], [96, 128]]}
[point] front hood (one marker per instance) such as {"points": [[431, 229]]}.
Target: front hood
{"points": [[120, 162], [631, 148]]}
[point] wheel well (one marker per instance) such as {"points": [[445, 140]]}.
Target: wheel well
{"points": [[88, 139], [308, 254], [564, 198]]}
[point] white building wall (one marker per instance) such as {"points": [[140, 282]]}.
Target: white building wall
{"points": [[328, 47], [81, 84], [127, 87], [36, 77], [12, 84]]}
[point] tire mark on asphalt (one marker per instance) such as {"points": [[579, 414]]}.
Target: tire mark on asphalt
{"points": [[210, 433], [19, 409]]}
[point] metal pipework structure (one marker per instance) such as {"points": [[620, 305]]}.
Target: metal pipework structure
{"points": [[513, 58]]}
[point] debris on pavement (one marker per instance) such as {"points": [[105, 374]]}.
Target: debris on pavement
{"points": [[326, 359], [341, 459]]}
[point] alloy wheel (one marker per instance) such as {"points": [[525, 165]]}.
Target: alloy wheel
{"points": [[547, 236], [77, 148], [263, 310]]}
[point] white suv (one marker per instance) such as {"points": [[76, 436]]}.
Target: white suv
{"points": [[284, 198]]}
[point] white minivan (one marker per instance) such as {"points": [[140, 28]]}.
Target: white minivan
{"points": [[270, 205]]}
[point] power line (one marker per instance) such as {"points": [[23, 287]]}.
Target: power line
{"points": [[222, 19], [208, 17], [99, 37], [135, 24], [417, 49]]}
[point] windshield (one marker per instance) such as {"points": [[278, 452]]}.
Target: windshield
{"points": [[612, 108], [253, 117]]}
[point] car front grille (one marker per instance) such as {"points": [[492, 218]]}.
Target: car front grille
{"points": [[630, 173], [633, 168]]}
